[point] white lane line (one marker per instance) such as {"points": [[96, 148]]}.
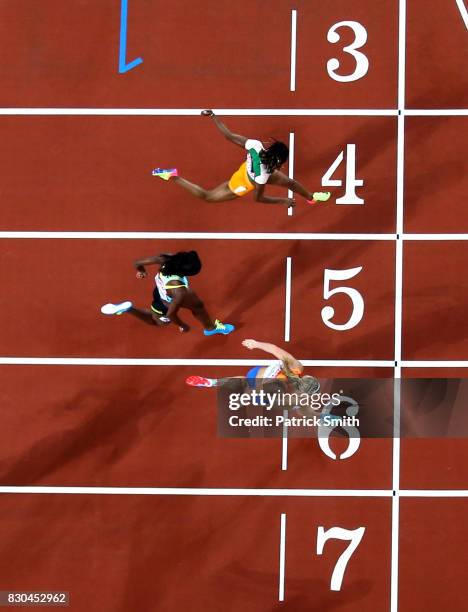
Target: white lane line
{"points": [[287, 337], [129, 361], [47, 235], [291, 168], [398, 305], [189, 112], [292, 85], [435, 112], [183, 491], [193, 491], [400, 175], [191, 236], [463, 12], [233, 112], [433, 493], [284, 444], [124, 361], [398, 310], [434, 364], [395, 541], [287, 305], [282, 558], [449, 237]]}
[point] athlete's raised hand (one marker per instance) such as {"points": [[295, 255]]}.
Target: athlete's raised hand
{"points": [[250, 344], [141, 274]]}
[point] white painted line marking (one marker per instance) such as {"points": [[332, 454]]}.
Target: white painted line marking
{"points": [[436, 112], [284, 444], [433, 493], [434, 364], [398, 298], [41, 490], [129, 361], [463, 12], [124, 361], [47, 235], [449, 237], [400, 174], [202, 491], [190, 236], [189, 112], [232, 112], [291, 168], [398, 309], [282, 557], [287, 305], [394, 554], [292, 85]]}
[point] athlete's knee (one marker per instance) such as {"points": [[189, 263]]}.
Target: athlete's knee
{"points": [[210, 196]]}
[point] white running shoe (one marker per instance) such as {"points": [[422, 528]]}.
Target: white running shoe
{"points": [[116, 309]]}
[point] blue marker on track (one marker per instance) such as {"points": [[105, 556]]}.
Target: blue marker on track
{"points": [[123, 66]]}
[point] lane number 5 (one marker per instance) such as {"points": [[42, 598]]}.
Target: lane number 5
{"points": [[328, 312]]}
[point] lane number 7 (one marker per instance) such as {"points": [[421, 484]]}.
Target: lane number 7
{"points": [[354, 536]]}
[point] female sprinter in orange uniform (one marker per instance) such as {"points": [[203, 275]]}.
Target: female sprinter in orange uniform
{"points": [[262, 167], [287, 369]]}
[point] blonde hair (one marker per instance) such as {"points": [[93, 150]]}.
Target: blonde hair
{"points": [[302, 384]]}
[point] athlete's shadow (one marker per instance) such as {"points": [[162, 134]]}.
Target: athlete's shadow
{"points": [[300, 593], [110, 426]]}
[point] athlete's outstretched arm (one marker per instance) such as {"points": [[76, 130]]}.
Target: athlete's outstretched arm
{"points": [[274, 350], [140, 264], [235, 138], [261, 197]]}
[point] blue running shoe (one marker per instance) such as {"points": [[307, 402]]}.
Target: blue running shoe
{"points": [[220, 328]]}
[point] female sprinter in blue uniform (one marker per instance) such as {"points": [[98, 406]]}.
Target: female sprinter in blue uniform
{"points": [[261, 167], [171, 293], [287, 369]]}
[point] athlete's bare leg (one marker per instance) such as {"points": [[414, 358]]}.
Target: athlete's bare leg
{"points": [[221, 193], [200, 313], [147, 316], [280, 179]]}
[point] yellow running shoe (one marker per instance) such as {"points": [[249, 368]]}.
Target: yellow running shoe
{"points": [[319, 196]]}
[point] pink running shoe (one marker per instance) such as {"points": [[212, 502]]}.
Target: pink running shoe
{"points": [[199, 381]]}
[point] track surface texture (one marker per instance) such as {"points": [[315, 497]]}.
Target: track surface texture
{"points": [[115, 484]]}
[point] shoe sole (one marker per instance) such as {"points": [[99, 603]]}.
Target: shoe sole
{"points": [[109, 309], [220, 333]]}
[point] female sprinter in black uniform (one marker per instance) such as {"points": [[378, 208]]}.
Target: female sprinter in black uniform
{"points": [[171, 293]]}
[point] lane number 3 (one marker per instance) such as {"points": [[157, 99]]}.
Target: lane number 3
{"points": [[360, 39]]}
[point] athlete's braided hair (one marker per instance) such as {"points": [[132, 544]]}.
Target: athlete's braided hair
{"points": [[274, 156], [183, 263]]}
